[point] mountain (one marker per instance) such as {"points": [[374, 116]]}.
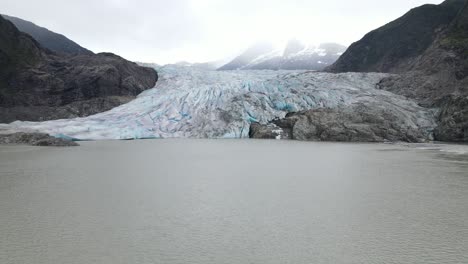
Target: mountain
{"points": [[421, 96], [396, 47], [427, 47], [294, 46], [48, 39], [38, 84], [248, 56], [427, 52], [295, 56]]}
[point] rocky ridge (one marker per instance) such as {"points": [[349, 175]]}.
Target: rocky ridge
{"points": [[50, 40]]}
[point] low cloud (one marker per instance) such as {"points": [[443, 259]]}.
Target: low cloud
{"points": [[165, 31]]}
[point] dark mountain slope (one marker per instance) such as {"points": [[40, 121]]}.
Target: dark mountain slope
{"points": [[48, 39], [37, 84], [392, 47], [17, 51], [441, 70]]}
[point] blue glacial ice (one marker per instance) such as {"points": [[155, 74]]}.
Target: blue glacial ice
{"points": [[188, 102]]}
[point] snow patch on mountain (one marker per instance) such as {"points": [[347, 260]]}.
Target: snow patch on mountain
{"points": [[295, 56]]}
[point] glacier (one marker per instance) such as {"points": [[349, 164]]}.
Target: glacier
{"points": [[193, 103]]}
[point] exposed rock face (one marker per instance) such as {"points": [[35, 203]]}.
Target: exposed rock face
{"points": [[362, 122], [59, 81], [36, 84], [16, 49], [271, 130], [453, 120], [48, 39], [75, 109], [35, 139]]}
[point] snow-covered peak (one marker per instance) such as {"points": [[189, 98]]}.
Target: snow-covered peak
{"points": [[265, 57], [293, 56]]}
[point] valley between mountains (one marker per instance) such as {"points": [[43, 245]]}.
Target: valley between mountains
{"points": [[406, 81]]}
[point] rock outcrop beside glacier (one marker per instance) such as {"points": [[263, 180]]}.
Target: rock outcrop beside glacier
{"points": [[360, 122], [453, 119], [35, 139]]}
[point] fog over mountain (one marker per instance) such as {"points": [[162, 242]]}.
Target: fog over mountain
{"points": [[204, 30], [295, 55]]}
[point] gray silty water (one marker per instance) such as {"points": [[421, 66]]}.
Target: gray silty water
{"points": [[229, 201]]}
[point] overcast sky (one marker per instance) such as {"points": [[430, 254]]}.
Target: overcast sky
{"points": [[164, 31]]}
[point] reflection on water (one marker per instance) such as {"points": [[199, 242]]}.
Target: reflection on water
{"points": [[233, 201]]}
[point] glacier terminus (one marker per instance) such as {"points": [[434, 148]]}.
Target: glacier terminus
{"points": [[194, 103]]}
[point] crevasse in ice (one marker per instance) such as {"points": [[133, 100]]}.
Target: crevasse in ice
{"points": [[187, 102]]}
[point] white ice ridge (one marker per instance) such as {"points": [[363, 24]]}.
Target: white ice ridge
{"points": [[187, 102]]}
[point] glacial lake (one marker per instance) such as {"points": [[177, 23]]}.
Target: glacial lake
{"points": [[233, 201]]}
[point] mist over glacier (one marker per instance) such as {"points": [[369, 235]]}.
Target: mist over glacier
{"points": [[193, 103]]}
